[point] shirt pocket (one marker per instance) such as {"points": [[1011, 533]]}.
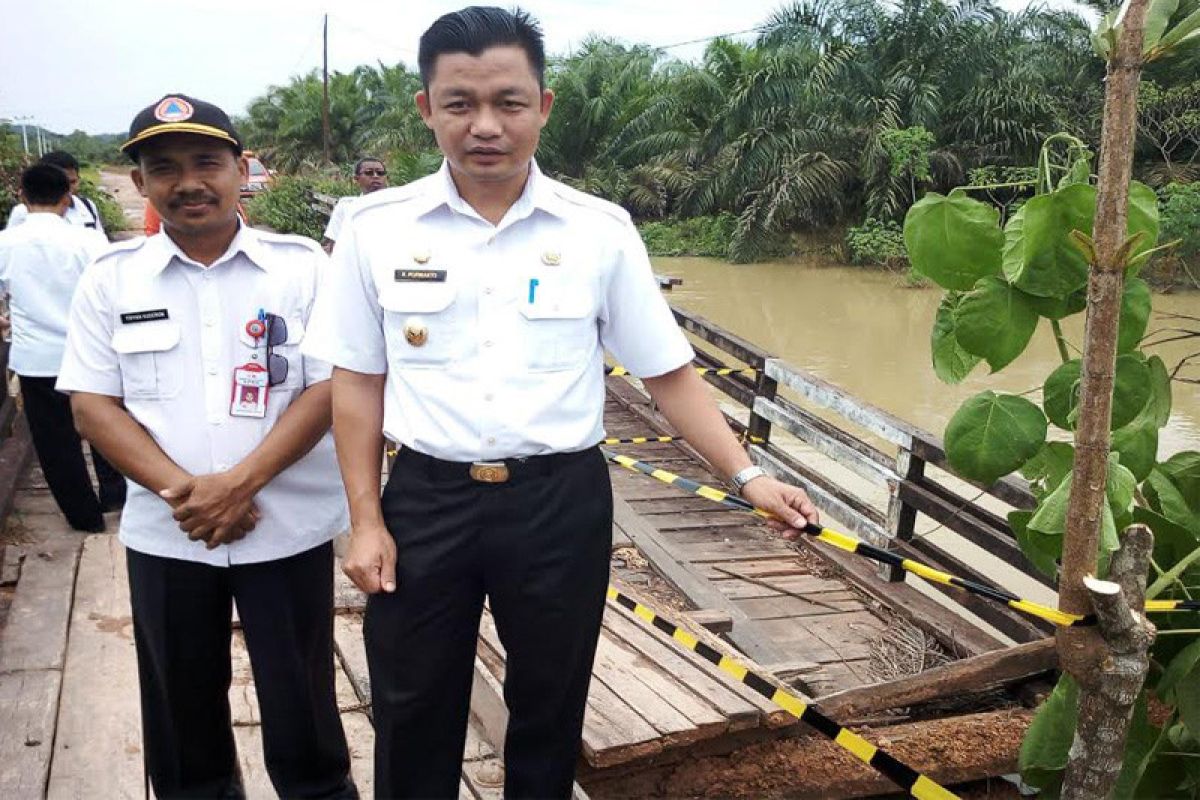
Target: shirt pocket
{"points": [[421, 324], [559, 320], [289, 350], [151, 368]]}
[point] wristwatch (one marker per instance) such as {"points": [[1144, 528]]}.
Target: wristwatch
{"points": [[744, 476]]}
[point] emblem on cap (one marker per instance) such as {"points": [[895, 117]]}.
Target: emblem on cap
{"points": [[421, 256], [415, 333], [173, 109], [551, 258]]}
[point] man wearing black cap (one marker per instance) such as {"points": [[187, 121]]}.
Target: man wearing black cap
{"points": [[183, 363]]}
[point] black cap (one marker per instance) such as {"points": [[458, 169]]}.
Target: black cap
{"points": [[178, 113]]}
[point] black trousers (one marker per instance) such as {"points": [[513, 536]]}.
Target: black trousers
{"points": [[182, 629], [60, 452], [538, 548]]}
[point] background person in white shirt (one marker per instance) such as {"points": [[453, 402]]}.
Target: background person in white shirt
{"points": [[466, 316], [40, 265], [80, 210], [184, 365], [371, 175]]}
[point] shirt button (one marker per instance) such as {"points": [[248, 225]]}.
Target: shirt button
{"points": [[212, 370], [487, 290], [487, 343], [489, 397], [209, 322], [491, 440]]}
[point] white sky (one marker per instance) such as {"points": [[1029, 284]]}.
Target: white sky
{"points": [[92, 65]]}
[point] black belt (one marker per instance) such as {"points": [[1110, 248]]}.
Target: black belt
{"points": [[500, 471]]}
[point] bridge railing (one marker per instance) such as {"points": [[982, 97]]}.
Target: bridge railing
{"points": [[879, 448]]}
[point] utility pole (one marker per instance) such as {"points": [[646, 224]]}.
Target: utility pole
{"points": [[24, 133], [325, 134], [41, 143]]}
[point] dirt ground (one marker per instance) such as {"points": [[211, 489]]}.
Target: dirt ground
{"points": [[116, 181]]}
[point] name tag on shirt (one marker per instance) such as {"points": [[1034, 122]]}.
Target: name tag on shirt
{"points": [[144, 316], [420, 275]]}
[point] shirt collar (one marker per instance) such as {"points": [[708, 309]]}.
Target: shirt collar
{"points": [[538, 194], [45, 218], [245, 241]]}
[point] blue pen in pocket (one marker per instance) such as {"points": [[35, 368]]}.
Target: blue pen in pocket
{"points": [[533, 284]]}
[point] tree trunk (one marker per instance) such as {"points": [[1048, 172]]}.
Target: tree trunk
{"points": [[1083, 651], [1105, 710]]}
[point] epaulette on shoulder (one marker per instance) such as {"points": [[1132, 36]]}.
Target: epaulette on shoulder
{"points": [[124, 246], [292, 239], [578, 198], [389, 196]]}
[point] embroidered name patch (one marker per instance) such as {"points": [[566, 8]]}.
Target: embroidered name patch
{"points": [[144, 316], [421, 275]]}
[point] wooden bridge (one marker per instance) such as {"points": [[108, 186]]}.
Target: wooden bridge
{"points": [[946, 680]]}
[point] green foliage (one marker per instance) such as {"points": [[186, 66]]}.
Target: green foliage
{"points": [[1043, 257], [111, 213], [696, 236], [908, 151], [878, 242], [12, 161], [1180, 213], [286, 206]]}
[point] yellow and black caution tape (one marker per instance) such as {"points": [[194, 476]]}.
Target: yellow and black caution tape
{"points": [[749, 372], [892, 768], [653, 439], [859, 547]]}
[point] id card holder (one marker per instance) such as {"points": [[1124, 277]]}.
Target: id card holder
{"points": [[250, 388]]}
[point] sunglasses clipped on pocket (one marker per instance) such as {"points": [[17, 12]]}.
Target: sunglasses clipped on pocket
{"points": [[277, 334]]}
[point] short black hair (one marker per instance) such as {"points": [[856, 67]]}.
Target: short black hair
{"points": [[476, 28], [61, 159], [358, 165], [44, 185]]}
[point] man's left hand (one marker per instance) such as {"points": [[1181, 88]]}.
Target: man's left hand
{"points": [[789, 504]]}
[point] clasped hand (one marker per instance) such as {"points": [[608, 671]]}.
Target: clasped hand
{"points": [[217, 508]]}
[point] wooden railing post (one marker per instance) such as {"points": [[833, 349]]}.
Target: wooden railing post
{"points": [[759, 429], [901, 517]]}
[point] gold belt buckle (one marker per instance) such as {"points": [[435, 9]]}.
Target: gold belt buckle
{"points": [[489, 471]]}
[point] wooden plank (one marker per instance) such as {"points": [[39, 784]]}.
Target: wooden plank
{"points": [[100, 685], [839, 448], [35, 634], [953, 631], [16, 452], [825, 394], [983, 673], [1012, 489], [255, 781], [360, 738], [10, 570], [351, 650], [30, 703], [638, 687], [711, 619], [613, 732], [699, 591], [718, 685], [786, 606], [742, 349]]}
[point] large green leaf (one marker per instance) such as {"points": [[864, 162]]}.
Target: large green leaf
{"points": [[992, 435], [1131, 391], [1186, 31], [1120, 486], [1143, 217], [953, 241], [1181, 666], [1052, 266], [1050, 519], [994, 321], [1042, 550], [1047, 743], [1057, 307], [1012, 258], [1051, 464], [1166, 499], [1136, 444], [1160, 391], [1158, 14], [1184, 471], [1187, 695], [951, 362], [1135, 315]]}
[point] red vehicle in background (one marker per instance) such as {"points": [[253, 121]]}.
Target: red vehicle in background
{"points": [[260, 178]]}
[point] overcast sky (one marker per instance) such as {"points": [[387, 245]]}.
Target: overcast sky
{"points": [[92, 65]]}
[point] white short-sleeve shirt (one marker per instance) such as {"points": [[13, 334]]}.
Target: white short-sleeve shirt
{"points": [[78, 213], [165, 333], [338, 216], [41, 262], [492, 336]]}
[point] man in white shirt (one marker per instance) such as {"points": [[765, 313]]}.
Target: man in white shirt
{"points": [[371, 175], [80, 210], [466, 317], [40, 264], [184, 365]]}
